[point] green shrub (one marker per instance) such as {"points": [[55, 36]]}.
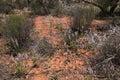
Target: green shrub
{"points": [[20, 4], [5, 6], [16, 31]]}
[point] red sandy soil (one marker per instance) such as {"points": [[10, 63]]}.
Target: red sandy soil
{"points": [[46, 26], [58, 64], [61, 61]]}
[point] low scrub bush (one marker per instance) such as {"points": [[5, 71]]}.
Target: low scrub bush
{"points": [[82, 17], [71, 40], [111, 47], [16, 30], [43, 7], [20, 4], [58, 10], [38, 9], [5, 6], [42, 47], [103, 67], [108, 45]]}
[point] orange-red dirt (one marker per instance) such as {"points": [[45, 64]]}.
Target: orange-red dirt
{"points": [[60, 62], [46, 26]]}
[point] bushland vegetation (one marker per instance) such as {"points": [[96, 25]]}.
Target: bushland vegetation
{"points": [[92, 35]]}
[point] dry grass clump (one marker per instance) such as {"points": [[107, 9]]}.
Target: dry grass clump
{"points": [[42, 47], [111, 47], [108, 45]]}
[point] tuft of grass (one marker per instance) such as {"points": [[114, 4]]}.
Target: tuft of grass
{"points": [[17, 32], [71, 40], [53, 77], [20, 68], [59, 25]]}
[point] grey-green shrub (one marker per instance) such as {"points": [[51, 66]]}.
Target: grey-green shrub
{"points": [[82, 17], [58, 9], [16, 30]]}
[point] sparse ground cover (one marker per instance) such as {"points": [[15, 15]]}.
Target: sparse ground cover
{"points": [[64, 64], [59, 40]]}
